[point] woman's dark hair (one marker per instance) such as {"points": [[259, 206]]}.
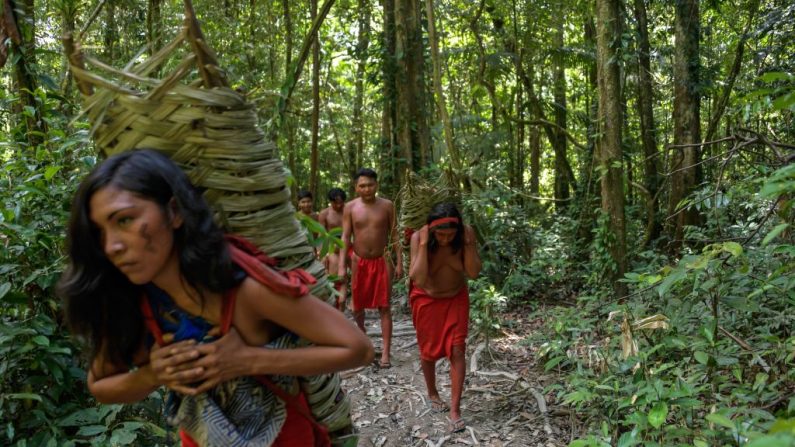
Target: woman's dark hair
{"points": [[366, 172], [439, 211], [101, 305], [303, 194], [336, 192]]}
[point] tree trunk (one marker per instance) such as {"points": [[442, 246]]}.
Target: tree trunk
{"points": [[315, 124], [154, 26], [559, 87], [723, 100], [24, 71], [685, 173], [648, 130], [608, 143], [110, 33], [441, 103], [590, 193], [288, 66], [356, 149], [413, 133], [388, 155]]}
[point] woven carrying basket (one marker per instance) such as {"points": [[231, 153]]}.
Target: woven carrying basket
{"points": [[192, 115]]}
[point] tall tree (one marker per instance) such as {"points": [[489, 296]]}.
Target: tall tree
{"points": [[685, 170], [388, 167], [648, 130], [413, 132], [288, 72], [315, 124], [608, 143], [20, 27], [356, 149], [559, 87], [441, 103], [154, 25]]}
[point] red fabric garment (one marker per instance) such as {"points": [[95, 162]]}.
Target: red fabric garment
{"points": [[441, 323], [296, 431], [370, 284]]}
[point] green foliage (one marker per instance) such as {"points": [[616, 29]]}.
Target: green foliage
{"points": [[717, 369], [43, 396], [324, 241], [485, 305]]}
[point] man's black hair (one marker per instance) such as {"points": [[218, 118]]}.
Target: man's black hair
{"points": [[334, 193], [367, 172], [304, 194]]}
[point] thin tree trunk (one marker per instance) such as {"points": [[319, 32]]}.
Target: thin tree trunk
{"points": [[559, 86], [388, 165], [441, 103], [110, 33], [648, 129], [154, 26], [315, 124], [723, 100], [356, 149], [288, 66], [589, 192], [24, 70], [685, 173], [608, 142]]}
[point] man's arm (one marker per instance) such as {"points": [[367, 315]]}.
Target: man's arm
{"points": [[322, 218], [347, 226], [395, 241]]}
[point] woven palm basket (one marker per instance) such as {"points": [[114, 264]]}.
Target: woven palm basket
{"points": [[192, 115], [417, 197]]}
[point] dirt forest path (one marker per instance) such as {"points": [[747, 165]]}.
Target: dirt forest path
{"points": [[503, 402]]}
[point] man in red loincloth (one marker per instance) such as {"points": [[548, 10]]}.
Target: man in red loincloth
{"points": [[369, 233], [443, 256]]}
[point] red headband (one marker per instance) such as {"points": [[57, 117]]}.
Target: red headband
{"points": [[442, 221]]}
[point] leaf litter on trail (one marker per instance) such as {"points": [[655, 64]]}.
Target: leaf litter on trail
{"points": [[503, 402]]}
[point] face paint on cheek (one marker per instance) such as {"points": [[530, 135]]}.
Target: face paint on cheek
{"points": [[150, 247]]}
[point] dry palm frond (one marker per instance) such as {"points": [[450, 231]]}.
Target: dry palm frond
{"points": [[192, 115], [417, 196]]}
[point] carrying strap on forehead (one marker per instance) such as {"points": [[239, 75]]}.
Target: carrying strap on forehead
{"points": [[443, 221]]}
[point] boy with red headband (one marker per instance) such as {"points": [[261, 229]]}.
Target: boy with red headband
{"points": [[369, 233], [443, 257]]}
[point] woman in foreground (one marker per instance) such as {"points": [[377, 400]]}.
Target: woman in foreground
{"points": [[140, 231]]}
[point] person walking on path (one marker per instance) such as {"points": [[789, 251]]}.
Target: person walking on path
{"points": [[443, 256], [369, 235], [331, 218]]}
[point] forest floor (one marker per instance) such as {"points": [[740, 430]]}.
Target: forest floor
{"points": [[503, 402]]}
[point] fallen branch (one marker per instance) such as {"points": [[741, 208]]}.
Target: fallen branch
{"points": [[542, 408], [473, 361], [742, 343]]}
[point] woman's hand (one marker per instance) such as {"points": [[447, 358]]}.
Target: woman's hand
{"points": [[423, 235], [219, 361], [172, 364], [469, 235]]}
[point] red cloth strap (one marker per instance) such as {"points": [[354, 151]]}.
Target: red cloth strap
{"points": [[261, 267], [443, 220]]}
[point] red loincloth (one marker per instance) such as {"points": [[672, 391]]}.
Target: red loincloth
{"points": [[296, 431], [370, 284], [441, 323]]}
